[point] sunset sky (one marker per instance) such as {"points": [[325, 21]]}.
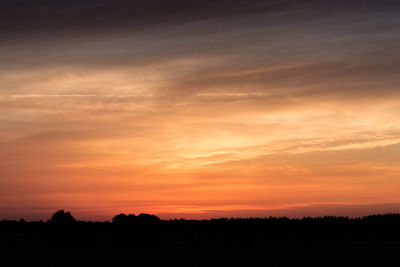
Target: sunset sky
{"points": [[199, 109]]}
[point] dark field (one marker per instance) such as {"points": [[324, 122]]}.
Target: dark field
{"points": [[145, 240]]}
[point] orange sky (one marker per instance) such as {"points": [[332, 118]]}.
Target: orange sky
{"points": [[243, 115]]}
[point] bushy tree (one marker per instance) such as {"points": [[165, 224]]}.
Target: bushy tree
{"points": [[148, 218], [62, 218], [120, 218]]}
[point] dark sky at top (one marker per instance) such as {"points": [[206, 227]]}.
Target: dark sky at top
{"points": [[88, 16]]}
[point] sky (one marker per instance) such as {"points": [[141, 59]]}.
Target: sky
{"points": [[191, 109]]}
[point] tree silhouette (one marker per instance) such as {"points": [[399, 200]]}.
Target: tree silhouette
{"points": [[62, 229], [148, 218], [132, 236], [62, 218], [120, 218]]}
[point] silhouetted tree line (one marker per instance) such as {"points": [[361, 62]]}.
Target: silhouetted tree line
{"points": [[277, 237]]}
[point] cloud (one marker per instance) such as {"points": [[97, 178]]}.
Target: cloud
{"points": [[199, 106]]}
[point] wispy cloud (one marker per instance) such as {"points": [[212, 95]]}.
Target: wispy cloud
{"points": [[261, 106]]}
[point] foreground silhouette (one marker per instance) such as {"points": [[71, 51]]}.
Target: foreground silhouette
{"points": [[145, 240]]}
